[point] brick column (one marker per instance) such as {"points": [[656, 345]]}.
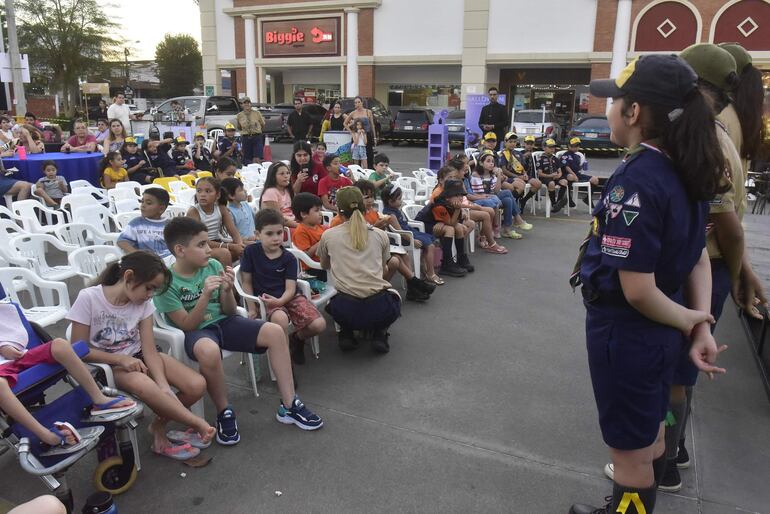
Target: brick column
{"points": [[598, 105], [366, 80]]}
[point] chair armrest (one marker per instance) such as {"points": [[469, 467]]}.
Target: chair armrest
{"points": [[304, 258], [108, 374], [59, 287], [395, 239], [304, 287], [402, 235], [419, 225]]}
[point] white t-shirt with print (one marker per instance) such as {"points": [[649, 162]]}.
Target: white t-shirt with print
{"points": [[114, 329]]}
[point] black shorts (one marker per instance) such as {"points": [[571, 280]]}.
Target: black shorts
{"points": [[233, 333], [632, 365], [376, 312]]}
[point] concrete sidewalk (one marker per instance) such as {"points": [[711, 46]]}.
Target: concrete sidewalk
{"points": [[483, 405]]}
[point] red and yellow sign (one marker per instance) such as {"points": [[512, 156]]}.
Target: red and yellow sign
{"points": [[301, 38]]}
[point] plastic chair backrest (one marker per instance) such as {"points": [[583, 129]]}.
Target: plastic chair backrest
{"points": [[91, 213], [174, 211], [131, 184], [90, 261], [185, 197], [126, 205]]}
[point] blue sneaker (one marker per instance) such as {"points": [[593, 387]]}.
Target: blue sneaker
{"points": [[298, 415], [227, 428]]}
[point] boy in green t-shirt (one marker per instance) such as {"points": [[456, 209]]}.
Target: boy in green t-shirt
{"points": [[200, 301], [381, 175]]}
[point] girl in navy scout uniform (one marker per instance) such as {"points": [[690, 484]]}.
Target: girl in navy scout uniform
{"points": [[644, 269]]}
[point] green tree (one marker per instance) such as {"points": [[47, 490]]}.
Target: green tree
{"points": [[180, 65], [65, 40]]}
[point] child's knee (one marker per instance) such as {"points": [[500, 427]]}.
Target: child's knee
{"points": [[207, 352], [317, 326], [4, 386], [271, 335], [60, 348], [279, 317]]}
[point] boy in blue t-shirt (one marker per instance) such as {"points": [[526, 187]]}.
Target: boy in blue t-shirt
{"points": [[146, 231], [270, 273], [200, 301]]}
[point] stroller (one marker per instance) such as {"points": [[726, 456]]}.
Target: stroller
{"points": [[113, 436]]}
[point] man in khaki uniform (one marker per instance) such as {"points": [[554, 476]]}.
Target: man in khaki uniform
{"points": [[250, 124]]}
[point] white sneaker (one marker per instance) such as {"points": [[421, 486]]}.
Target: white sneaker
{"points": [[609, 470]]}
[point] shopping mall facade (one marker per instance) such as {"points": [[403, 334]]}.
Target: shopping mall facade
{"points": [[433, 53]]}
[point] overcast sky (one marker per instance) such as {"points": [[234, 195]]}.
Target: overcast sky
{"points": [[148, 21]]}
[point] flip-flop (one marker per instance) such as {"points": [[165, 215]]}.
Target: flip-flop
{"points": [[189, 436], [83, 438], [436, 280], [100, 409], [178, 452], [496, 248]]}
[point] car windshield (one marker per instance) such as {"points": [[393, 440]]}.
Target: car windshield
{"points": [[594, 123], [420, 116], [456, 115], [533, 117]]}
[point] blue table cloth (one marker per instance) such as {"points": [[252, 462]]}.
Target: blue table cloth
{"points": [[72, 166]]}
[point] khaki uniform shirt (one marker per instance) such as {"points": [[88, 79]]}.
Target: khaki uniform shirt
{"points": [[729, 118], [249, 123], [357, 273], [734, 199]]}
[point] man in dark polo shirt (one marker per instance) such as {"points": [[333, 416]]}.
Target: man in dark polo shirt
{"points": [[299, 123], [494, 116]]}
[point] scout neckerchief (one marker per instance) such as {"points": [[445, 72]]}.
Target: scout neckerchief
{"points": [[574, 278]]}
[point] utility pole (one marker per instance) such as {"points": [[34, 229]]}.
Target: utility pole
{"points": [[13, 49], [5, 84]]}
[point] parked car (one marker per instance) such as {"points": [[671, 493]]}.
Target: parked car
{"points": [[275, 121], [411, 124], [383, 119], [211, 112], [594, 131], [315, 111], [538, 123], [455, 122]]}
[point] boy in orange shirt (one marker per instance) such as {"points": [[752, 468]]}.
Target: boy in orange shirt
{"points": [[307, 235]]}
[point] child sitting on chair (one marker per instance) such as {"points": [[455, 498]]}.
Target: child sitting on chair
{"points": [[310, 228], [146, 231], [15, 358], [113, 170], [200, 154], [270, 273]]}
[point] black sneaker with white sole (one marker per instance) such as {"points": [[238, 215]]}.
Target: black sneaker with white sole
{"points": [[227, 428], [671, 481], [298, 415], [682, 457]]}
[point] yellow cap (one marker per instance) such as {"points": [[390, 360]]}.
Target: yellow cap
{"points": [[574, 141], [200, 134], [130, 140], [511, 135], [181, 140], [490, 136], [529, 139], [229, 126], [550, 142]]}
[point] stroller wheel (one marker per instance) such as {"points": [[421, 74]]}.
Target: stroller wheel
{"points": [[114, 476]]}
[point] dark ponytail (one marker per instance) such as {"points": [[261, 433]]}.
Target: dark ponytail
{"points": [[749, 97], [690, 140], [145, 266]]}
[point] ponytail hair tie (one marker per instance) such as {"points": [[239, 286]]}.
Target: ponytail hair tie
{"points": [[674, 115]]}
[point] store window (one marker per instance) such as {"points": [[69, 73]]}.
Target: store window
{"points": [[320, 94], [567, 103], [424, 95]]}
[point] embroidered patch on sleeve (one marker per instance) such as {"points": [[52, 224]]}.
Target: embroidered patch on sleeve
{"points": [[616, 246], [614, 209], [629, 216], [634, 201], [617, 194]]}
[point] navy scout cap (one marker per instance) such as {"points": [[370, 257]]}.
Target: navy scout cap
{"points": [[659, 79]]}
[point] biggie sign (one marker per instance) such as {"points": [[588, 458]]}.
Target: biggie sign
{"points": [[300, 38]]}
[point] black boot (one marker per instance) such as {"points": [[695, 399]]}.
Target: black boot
{"points": [[347, 340], [682, 457], [525, 199], [380, 342], [414, 290], [561, 200], [448, 265], [629, 500], [425, 286], [462, 257]]}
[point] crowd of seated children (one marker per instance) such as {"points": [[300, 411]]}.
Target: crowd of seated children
{"points": [[307, 235], [61, 437], [51, 187], [381, 175], [457, 169], [444, 218], [228, 145], [270, 273], [508, 160], [145, 232], [486, 180], [201, 156], [136, 163], [332, 182], [357, 257], [115, 316], [211, 209], [549, 171], [113, 170], [200, 301], [278, 193], [158, 162], [243, 216], [391, 199], [572, 167]]}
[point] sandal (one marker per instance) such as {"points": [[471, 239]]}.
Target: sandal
{"points": [[496, 248], [178, 452], [189, 436], [435, 279], [83, 438], [100, 409]]}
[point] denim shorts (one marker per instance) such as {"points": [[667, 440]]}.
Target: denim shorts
{"points": [[359, 152], [233, 333]]}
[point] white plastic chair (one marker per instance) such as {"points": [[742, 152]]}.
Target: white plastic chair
{"points": [[79, 235], [33, 247], [73, 202], [209, 145], [411, 210], [126, 205], [215, 134], [97, 216], [90, 261], [44, 310], [115, 195], [185, 197], [327, 217], [129, 184], [76, 184], [177, 185], [29, 210], [8, 231], [122, 219], [174, 211], [145, 187]]}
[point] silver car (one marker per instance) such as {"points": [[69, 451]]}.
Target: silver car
{"points": [[538, 123]]}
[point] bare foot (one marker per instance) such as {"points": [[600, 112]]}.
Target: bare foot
{"points": [[53, 439], [158, 430], [207, 432]]}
